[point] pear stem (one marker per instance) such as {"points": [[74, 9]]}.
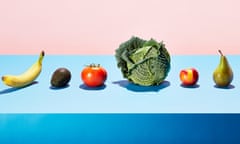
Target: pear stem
{"points": [[220, 52]]}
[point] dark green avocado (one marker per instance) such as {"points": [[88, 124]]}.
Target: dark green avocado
{"points": [[60, 77]]}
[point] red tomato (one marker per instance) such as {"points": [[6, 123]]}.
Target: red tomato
{"points": [[94, 75]]}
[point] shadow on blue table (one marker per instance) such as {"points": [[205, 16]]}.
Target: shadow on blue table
{"points": [[191, 86], [10, 90], [84, 87], [228, 87], [58, 88], [137, 88]]}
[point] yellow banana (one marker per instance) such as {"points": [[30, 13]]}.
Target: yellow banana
{"points": [[25, 78]]}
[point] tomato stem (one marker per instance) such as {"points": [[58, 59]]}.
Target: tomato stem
{"points": [[93, 65]]}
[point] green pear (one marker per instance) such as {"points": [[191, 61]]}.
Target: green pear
{"points": [[223, 74]]}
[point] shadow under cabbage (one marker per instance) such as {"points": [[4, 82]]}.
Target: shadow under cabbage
{"points": [[137, 88]]}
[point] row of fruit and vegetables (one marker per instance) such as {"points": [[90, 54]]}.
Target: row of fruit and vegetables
{"points": [[142, 62]]}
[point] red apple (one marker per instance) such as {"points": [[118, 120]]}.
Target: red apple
{"points": [[189, 76]]}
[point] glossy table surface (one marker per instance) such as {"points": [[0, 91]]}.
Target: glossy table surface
{"points": [[119, 128], [118, 95]]}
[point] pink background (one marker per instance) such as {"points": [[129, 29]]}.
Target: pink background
{"points": [[99, 26]]}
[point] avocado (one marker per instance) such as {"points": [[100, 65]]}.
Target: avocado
{"points": [[60, 77]]}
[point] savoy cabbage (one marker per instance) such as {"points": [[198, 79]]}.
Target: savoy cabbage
{"points": [[143, 62]]}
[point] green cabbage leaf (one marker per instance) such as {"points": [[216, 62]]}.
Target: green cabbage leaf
{"points": [[143, 62]]}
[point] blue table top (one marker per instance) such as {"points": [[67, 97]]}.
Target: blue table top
{"points": [[118, 95]]}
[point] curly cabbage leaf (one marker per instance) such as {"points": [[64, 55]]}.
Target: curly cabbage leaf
{"points": [[143, 62]]}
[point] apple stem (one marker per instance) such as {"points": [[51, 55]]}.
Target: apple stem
{"points": [[220, 52]]}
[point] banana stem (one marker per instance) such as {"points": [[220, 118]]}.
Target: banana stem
{"points": [[3, 78], [42, 53], [41, 57]]}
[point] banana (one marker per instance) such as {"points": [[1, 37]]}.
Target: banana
{"points": [[26, 78]]}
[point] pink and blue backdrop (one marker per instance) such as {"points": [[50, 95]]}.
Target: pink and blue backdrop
{"points": [[92, 27], [98, 27]]}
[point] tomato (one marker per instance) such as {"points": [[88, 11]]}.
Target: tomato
{"points": [[94, 75]]}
